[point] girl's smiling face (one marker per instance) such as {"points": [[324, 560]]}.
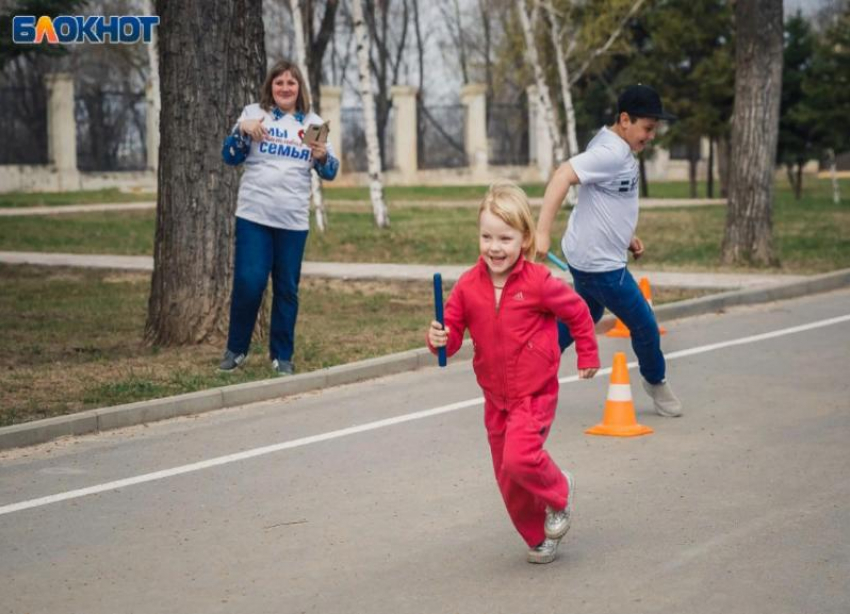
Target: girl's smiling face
{"points": [[499, 244]]}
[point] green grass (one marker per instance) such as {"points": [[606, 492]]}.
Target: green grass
{"points": [[392, 194], [73, 338], [669, 189], [125, 233], [83, 197], [811, 235]]}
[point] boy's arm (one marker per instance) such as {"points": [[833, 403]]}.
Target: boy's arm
{"points": [[570, 308], [556, 192]]}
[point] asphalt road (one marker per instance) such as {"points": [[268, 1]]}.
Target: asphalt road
{"points": [[349, 501]]}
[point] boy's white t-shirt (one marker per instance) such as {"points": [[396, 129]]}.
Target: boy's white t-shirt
{"points": [[275, 185], [603, 222]]}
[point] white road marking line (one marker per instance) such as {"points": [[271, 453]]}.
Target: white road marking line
{"points": [[371, 426]]}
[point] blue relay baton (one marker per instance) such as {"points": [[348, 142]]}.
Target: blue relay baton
{"points": [[557, 261], [438, 313]]}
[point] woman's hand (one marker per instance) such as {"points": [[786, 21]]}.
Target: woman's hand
{"points": [[438, 335], [254, 128], [587, 373], [320, 151]]}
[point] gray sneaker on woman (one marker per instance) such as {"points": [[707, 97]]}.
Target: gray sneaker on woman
{"points": [[231, 360]]}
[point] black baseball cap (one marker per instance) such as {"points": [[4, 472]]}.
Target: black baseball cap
{"points": [[642, 101]]}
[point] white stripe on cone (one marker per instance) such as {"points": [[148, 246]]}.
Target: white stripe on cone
{"points": [[619, 392]]}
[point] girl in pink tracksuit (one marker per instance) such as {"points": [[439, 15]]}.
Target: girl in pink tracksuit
{"points": [[511, 307]]}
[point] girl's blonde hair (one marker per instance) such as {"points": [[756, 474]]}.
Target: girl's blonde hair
{"points": [[508, 202]]}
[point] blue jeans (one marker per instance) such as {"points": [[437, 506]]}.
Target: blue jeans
{"points": [[618, 291], [261, 250]]}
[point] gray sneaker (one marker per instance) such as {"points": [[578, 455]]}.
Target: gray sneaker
{"points": [[283, 367], [544, 553], [231, 360], [666, 403], [558, 521]]}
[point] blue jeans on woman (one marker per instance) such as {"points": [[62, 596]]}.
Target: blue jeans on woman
{"points": [[618, 291], [261, 250]]}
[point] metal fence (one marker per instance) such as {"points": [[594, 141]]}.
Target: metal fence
{"points": [[354, 141], [507, 133], [441, 136], [110, 131], [23, 124]]}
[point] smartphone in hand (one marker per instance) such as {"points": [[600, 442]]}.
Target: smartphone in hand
{"points": [[316, 133]]}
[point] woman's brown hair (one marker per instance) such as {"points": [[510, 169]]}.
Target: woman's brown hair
{"points": [[302, 103]]}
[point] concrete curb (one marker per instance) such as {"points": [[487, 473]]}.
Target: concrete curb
{"points": [[96, 420], [131, 414]]}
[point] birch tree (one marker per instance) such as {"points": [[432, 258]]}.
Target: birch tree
{"points": [[373, 154], [556, 34], [543, 95], [301, 53], [153, 80]]}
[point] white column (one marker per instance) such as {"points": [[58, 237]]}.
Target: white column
{"points": [[539, 141], [332, 113], [406, 154], [62, 129], [474, 99], [152, 105]]}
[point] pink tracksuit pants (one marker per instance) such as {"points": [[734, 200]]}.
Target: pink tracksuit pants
{"points": [[528, 478]]}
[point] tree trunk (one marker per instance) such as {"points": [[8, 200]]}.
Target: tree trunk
{"points": [[566, 93], [484, 10], [543, 95], [644, 181], [373, 155], [755, 132], [301, 54], [693, 162], [798, 188], [461, 47], [555, 33], [317, 44], [709, 184], [789, 174], [153, 78], [212, 62], [833, 174], [723, 155]]}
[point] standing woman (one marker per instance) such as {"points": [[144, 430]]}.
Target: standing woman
{"points": [[272, 211]]}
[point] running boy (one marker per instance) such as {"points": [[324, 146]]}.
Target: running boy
{"points": [[510, 306], [601, 232]]}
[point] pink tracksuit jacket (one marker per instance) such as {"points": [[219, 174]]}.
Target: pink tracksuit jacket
{"points": [[516, 363]]}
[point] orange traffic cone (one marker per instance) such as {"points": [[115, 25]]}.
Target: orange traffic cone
{"points": [[647, 294], [619, 330], [618, 420]]}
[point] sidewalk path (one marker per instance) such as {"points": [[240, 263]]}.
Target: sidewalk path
{"points": [[421, 272], [645, 203], [60, 209]]}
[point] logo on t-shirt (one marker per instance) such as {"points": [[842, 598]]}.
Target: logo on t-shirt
{"points": [[627, 185]]}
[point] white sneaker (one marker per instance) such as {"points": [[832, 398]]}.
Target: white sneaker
{"points": [[558, 521], [544, 553], [666, 403]]}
